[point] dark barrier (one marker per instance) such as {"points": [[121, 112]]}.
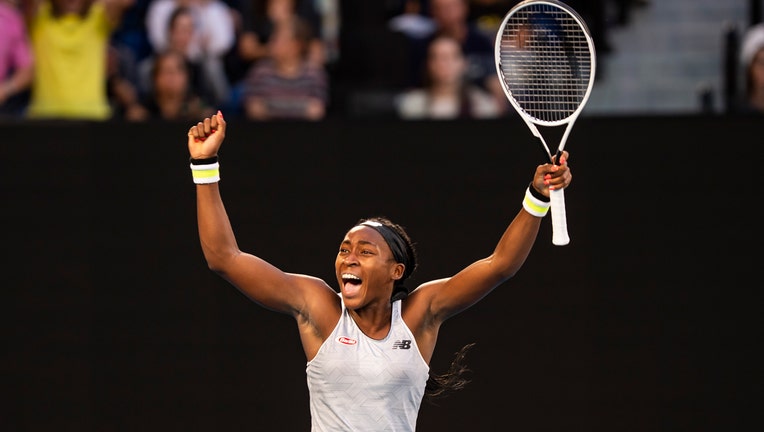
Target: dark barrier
{"points": [[646, 321]]}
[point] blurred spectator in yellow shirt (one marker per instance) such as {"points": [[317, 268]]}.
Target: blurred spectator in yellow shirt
{"points": [[70, 41]]}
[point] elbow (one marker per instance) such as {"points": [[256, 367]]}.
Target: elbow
{"points": [[219, 262], [507, 274], [504, 270]]}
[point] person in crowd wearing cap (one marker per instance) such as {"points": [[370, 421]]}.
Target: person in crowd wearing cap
{"points": [[752, 61], [369, 345]]}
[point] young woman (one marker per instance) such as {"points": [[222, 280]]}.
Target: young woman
{"points": [[369, 345], [446, 93]]}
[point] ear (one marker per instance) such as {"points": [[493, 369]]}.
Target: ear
{"points": [[398, 270]]}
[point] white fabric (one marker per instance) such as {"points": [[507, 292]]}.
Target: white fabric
{"points": [[753, 41], [215, 32], [417, 104], [361, 384]]}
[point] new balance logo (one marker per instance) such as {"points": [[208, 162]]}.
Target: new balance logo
{"points": [[402, 344]]}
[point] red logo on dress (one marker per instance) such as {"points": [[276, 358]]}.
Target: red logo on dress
{"points": [[346, 340]]}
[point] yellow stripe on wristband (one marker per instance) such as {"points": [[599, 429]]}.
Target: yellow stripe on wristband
{"points": [[205, 174], [535, 206]]}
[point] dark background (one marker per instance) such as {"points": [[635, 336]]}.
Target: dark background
{"points": [[649, 320]]}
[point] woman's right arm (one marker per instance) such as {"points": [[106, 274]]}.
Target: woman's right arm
{"points": [[259, 280]]}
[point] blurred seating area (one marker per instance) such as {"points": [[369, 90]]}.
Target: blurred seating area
{"points": [[310, 59]]}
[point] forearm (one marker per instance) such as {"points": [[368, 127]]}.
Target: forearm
{"points": [[215, 232], [17, 82], [114, 10], [515, 244]]}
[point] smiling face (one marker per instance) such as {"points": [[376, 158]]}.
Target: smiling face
{"points": [[365, 268]]}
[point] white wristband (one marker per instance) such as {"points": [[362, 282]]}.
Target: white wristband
{"points": [[206, 174], [535, 206]]}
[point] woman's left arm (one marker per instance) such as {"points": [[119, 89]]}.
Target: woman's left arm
{"points": [[449, 296]]}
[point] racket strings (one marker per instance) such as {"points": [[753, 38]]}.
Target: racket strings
{"points": [[546, 62]]}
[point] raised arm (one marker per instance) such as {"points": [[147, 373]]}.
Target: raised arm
{"points": [[265, 284], [115, 9], [443, 298], [29, 9]]}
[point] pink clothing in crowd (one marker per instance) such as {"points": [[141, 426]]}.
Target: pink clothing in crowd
{"points": [[15, 51]]}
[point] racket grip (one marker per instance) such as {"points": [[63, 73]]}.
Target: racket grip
{"points": [[559, 219]]}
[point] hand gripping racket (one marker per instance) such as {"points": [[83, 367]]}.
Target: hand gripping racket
{"points": [[545, 60]]}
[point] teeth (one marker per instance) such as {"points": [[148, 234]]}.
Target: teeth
{"points": [[350, 276]]}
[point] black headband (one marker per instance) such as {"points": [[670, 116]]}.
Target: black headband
{"points": [[394, 241]]}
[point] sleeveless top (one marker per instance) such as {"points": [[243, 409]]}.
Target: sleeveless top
{"points": [[357, 383]]}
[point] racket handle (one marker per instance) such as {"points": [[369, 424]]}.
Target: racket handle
{"points": [[559, 221]]}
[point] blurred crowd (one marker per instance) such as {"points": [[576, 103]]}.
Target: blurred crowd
{"points": [[138, 60]]}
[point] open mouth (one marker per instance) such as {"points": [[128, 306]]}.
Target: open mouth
{"points": [[351, 284]]}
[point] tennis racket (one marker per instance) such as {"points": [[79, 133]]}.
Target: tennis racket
{"points": [[546, 61]]}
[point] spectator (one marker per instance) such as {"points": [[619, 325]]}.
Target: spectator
{"points": [[122, 87], [488, 14], [411, 20], [213, 37], [446, 93], [131, 34], [16, 60], [752, 59], [451, 17], [70, 40], [258, 19], [181, 31], [172, 97], [286, 85]]}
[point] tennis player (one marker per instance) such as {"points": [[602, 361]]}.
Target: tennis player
{"points": [[368, 346]]}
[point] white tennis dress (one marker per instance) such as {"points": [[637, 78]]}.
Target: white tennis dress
{"points": [[358, 383]]}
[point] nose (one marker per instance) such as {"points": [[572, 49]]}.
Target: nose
{"points": [[350, 259]]}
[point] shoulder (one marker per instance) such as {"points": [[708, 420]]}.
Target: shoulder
{"points": [[420, 299], [483, 104], [412, 103], [323, 305], [12, 18], [419, 309]]}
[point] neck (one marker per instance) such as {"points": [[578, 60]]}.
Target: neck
{"points": [[169, 104], [445, 90], [373, 319]]}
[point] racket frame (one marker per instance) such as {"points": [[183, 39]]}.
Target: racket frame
{"points": [[560, 235]]}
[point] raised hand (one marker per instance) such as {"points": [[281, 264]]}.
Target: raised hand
{"points": [[206, 137]]}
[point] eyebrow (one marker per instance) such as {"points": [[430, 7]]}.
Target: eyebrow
{"points": [[361, 242]]}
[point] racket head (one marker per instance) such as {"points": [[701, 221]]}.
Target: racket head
{"points": [[545, 60]]}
